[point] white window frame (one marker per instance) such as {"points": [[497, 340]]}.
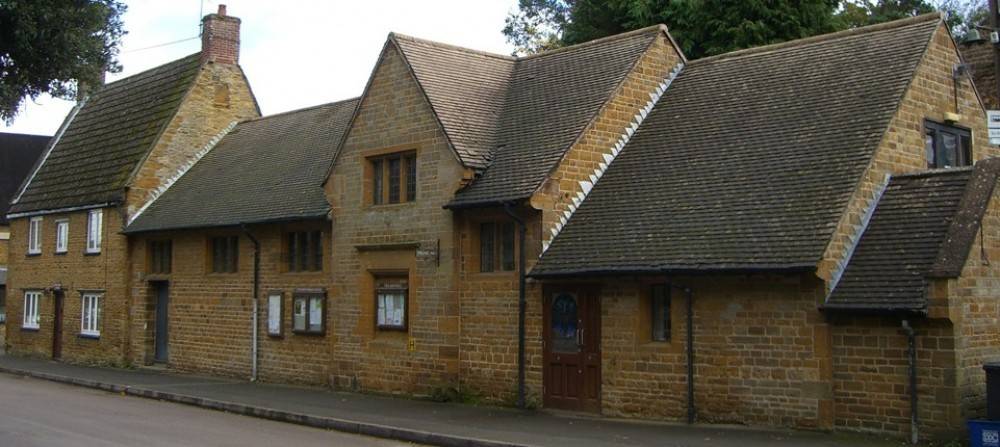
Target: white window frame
{"points": [[32, 298], [62, 235], [95, 225], [35, 235], [90, 314]]}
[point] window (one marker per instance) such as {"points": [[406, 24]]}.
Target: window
{"points": [[274, 326], [3, 304], [947, 146], [62, 236], [304, 251], [390, 302], [496, 247], [31, 300], [90, 315], [308, 312], [95, 223], [160, 254], [394, 178], [660, 312], [35, 236], [225, 254]]}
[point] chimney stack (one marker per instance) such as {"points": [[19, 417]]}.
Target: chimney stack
{"points": [[220, 38]]}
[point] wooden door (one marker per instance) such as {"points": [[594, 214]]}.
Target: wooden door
{"points": [[161, 337], [57, 324], [572, 349]]}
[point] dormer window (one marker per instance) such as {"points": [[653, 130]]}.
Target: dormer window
{"points": [[947, 146]]}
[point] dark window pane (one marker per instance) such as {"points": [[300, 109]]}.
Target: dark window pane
{"points": [[291, 251], [929, 146], [234, 253], [411, 178], [966, 150], [487, 246], [317, 250], [564, 323], [377, 179], [507, 247], [660, 313], [303, 250], [394, 180]]}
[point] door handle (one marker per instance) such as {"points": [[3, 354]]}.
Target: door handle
{"points": [[579, 337]]}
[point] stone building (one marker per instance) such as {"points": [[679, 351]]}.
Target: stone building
{"points": [[120, 146], [753, 238]]}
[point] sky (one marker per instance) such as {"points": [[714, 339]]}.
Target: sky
{"points": [[296, 53]]}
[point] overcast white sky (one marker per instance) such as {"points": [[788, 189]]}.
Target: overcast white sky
{"points": [[297, 53]]}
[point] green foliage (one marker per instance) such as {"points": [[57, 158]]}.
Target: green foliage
{"points": [[54, 46], [709, 27]]}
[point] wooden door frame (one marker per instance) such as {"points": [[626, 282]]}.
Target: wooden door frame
{"points": [[584, 292], [157, 287]]}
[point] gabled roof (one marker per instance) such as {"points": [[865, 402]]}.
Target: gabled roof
{"points": [[923, 226], [265, 170], [99, 147], [18, 154], [513, 118], [748, 160]]}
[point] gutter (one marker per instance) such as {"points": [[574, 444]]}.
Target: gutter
{"points": [[734, 269], [256, 291], [522, 302]]}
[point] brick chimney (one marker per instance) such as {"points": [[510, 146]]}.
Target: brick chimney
{"points": [[220, 38]]}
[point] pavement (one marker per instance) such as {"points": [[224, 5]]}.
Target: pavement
{"points": [[412, 420], [50, 414]]}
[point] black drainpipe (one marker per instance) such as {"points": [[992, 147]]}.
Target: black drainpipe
{"points": [[522, 302], [911, 338], [691, 409], [256, 291]]}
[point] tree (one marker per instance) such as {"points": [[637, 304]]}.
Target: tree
{"points": [[54, 47], [708, 27]]}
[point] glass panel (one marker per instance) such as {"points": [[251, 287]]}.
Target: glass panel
{"points": [[316, 314], [564, 323], [966, 151], [487, 246], [507, 247], [949, 150], [291, 251], [377, 181], [317, 241], [929, 147], [660, 313], [411, 178], [299, 315], [274, 314], [394, 180]]}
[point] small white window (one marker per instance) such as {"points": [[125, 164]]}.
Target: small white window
{"points": [[94, 224], [62, 236], [90, 317], [274, 328], [35, 236], [31, 300]]}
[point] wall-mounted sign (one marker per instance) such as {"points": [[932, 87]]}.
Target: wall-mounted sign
{"points": [[993, 124]]}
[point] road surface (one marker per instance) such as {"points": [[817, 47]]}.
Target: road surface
{"points": [[40, 413]]}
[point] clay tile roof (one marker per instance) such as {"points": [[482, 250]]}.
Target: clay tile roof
{"points": [[18, 154], [511, 118], [748, 160], [100, 147], [923, 226], [265, 170]]}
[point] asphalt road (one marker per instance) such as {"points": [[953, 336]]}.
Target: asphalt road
{"points": [[41, 413]]}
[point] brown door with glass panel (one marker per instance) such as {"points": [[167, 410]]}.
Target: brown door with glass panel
{"points": [[572, 331]]}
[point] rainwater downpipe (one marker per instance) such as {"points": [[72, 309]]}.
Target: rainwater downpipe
{"points": [[911, 338], [256, 291], [522, 302]]}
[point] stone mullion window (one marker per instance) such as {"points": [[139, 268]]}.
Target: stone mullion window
{"points": [[160, 256], [394, 178], [225, 254], [497, 247], [660, 312], [304, 251], [947, 146]]}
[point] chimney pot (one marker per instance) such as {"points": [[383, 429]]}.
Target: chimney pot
{"points": [[220, 38]]}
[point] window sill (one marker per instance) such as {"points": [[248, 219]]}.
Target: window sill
{"points": [[89, 336], [302, 272], [392, 328], [91, 253], [389, 206], [60, 253], [276, 336], [29, 329], [32, 255], [497, 273], [310, 333]]}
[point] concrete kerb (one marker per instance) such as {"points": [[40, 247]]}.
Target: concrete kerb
{"points": [[342, 425]]}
